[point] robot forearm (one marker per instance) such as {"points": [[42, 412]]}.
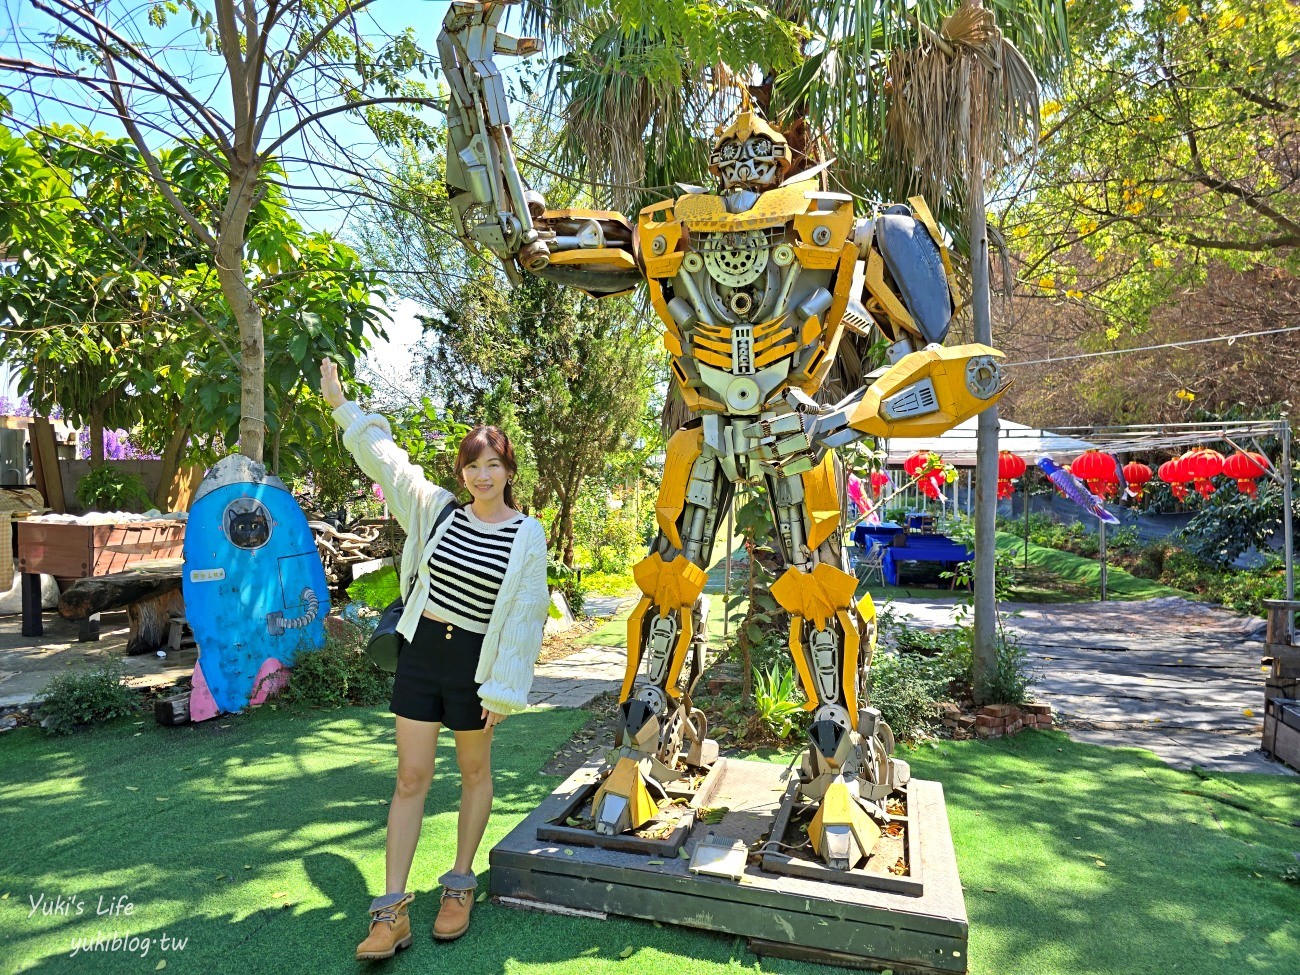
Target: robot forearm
{"points": [[490, 202]]}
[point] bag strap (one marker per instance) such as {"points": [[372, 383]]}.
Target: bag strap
{"points": [[447, 511]]}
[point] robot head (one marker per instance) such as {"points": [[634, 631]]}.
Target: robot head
{"points": [[749, 154]]}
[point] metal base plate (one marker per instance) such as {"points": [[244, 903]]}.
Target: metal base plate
{"points": [[839, 923], [874, 873], [558, 830]]}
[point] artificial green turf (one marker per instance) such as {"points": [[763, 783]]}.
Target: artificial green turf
{"points": [[1190, 881], [210, 831], [1078, 859], [1086, 572]]}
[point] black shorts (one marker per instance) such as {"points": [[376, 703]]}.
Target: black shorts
{"points": [[435, 677]]}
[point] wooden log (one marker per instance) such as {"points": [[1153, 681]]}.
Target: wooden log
{"points": [[151, 621], [172, 710], [45, 459], [119, 589]]}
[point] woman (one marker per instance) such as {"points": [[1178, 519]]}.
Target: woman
{"points": [[474, 586]]}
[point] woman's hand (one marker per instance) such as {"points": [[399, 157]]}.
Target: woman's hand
{"points": [[330, 387], [491, 718]]}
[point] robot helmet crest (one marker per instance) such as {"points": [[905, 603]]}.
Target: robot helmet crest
{"points": [[749, 153]]}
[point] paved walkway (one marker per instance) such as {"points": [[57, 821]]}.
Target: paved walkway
{"points": [[1179, 678], [28, 663]]}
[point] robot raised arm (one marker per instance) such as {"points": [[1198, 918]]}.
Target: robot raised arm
{"points": [[906, 282], [492, 205]]}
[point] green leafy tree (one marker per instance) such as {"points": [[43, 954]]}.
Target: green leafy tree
{"points": [[284, 68], [87, 328], [114, 312]]}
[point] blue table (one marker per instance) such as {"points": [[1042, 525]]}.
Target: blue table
{"points": [[924, 548], [882, 534]]}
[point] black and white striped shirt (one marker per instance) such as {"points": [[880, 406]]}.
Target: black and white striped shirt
{"points": [[466, 569]]}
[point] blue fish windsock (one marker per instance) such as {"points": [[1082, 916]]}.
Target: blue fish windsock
{"points": [[1074, 489]]}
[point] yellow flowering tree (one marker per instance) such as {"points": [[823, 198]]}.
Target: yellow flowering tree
{"points": [[1170, 150]]}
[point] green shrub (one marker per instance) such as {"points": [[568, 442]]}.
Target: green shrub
{"points": [[1246, 591], [336, 675], [1151, 563], [376, 589], [1124, 539], [109, 488], [776, 700], [82, 697], [560, 576], [907, 688], [1010, 678]]}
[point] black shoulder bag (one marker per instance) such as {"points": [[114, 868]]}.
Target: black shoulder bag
{"points": [[385, 644]]}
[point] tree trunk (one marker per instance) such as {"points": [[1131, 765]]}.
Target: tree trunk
{"points": [[96, 438], [171, 461], [565, 541], [234, 286]]}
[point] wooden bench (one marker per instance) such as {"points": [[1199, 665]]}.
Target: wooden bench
{"points": [[1280, 651], [149, 591]]}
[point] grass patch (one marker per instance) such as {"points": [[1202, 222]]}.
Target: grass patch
{"points": [[1082, 860], [608, 583], [1076, 859], [1082, 576]]}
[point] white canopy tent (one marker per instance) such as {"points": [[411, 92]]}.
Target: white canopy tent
{"points": [[957, 446]]}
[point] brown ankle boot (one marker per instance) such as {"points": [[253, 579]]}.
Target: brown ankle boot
{"points": [[453, 914], [390, 927]]}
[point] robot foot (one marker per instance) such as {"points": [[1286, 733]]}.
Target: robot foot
{"points": [[652, 754], [848, 774]]}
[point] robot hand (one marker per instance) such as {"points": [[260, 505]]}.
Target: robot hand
{"points": [[491, 204], [794, 442]]}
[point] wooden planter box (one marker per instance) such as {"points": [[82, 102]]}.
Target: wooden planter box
{"points": [[1282, 731], [70, 551]]}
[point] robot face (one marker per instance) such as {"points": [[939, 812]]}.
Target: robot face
{"points": [[247, 523], [749, 163]]}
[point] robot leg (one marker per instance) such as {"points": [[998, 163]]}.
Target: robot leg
{"points": [[660, 728], [847, 769]]}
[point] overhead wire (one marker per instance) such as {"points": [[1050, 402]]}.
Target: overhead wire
{"points": [[1154, 348]]}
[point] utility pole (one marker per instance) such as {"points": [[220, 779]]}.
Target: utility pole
{"points": [[984, 648]]}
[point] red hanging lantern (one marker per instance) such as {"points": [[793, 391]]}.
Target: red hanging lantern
{"points": [[1010, 467], [1137, 475], [879, 480], [1203, 464], [1098, 471], [1171, 472], [1174, 473], [1096, 466], [1244, 467], [931, 483]]}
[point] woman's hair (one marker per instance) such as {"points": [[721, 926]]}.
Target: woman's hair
{"points": [[483, 438]]}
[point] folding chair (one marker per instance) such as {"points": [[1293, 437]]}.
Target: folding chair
{"points": [[872, 563]]}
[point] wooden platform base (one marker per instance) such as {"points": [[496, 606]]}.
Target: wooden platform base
{"points": [[793, 916]]}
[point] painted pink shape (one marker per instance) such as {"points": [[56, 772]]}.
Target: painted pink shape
{"points": [[202, 706], [270, 681]]}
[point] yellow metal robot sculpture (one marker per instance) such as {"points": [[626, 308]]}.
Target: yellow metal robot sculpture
{"points": [[755, 285]]}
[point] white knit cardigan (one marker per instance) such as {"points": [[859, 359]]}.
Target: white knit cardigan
{"points": [[514, 635]]}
